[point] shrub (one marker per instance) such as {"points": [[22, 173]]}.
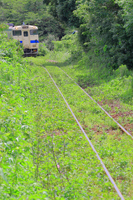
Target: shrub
{"points": [[42, 51], [49, 41]]}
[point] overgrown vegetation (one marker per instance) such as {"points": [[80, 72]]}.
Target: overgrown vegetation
{"points": [[104, 27], [86, 70], [40, 144], [31, 12], [43, 154], [113, 146]]}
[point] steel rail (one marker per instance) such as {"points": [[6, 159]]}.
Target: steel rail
{"points": [[121, 127], [105, 169]]}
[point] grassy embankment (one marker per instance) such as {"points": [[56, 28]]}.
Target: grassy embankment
{"points": [[43, 153]]}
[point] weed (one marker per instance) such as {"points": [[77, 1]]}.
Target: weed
{"points": [[43, 154]]}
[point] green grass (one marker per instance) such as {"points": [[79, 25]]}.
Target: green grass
{"points": [[38, 133], [110, 149], [43, 153], [114, 147]]}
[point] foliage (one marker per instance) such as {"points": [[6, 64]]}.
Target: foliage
{"points": [[49, 26], [42, 51], [3, 27], [127, 36], [38, 149], [106, 28], [16, 164], [43, 154], [90, 115], [31, 12], [9, 49], [63, 10], [49, 41], [69, 43], [88, 72]]}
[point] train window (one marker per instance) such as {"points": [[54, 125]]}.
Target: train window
{"points": [[34, 32], [25, 33], [17, 33]]}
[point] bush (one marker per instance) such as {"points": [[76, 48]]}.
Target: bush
{"points": [[69, 43], [123, 71], [42, 51], [49, 41], [9, 49]]}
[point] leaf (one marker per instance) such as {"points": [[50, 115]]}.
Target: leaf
{"points": [[2, 175]]}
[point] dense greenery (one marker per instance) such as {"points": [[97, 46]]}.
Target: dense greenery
{"points": [[63, 11], [43, 154], [104, 27], [91, 74], [31, 12]]}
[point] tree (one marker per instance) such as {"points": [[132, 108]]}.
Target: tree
{"points": [[31, 12], [126, 36], [106, 27], [63, 11]]}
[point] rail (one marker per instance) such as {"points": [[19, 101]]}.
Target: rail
{"points": [[121, 127], [93, 148]]}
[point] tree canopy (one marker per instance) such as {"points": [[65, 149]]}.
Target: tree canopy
{"points": [[105, 26], [31, 12]]}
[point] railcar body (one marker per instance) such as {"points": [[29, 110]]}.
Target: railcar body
{"points": [[28, 37]]}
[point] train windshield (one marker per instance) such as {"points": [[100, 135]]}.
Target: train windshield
{"points": [[25, 33], [17, 33], [34, 32]]}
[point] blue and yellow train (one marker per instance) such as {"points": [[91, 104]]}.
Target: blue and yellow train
{"points": [[28, 37]]}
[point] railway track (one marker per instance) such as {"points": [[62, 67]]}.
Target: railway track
{"points": [[83, 130], [90, 143], [119, 125]]}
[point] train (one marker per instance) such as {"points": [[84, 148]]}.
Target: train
{"points": [[27, 35]]}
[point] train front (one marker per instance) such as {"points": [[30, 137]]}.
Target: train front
{"points": [[28, 36]]}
